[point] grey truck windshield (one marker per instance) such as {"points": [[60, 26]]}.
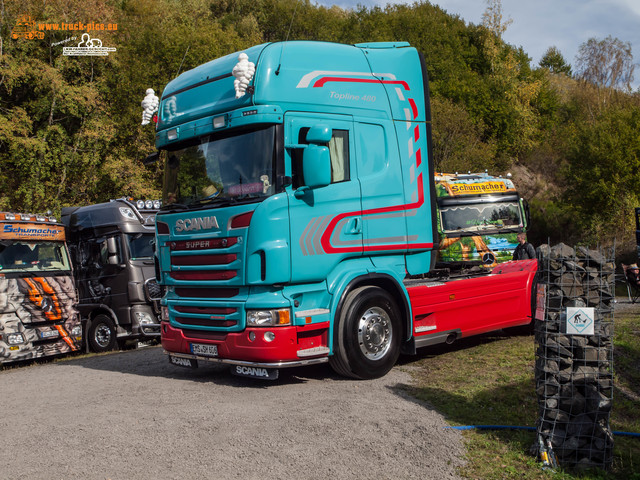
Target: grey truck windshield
{"points": [[480, 217], [221, 168]]}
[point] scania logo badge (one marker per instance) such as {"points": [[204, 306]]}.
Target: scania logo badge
{"points": [[197, 223]]}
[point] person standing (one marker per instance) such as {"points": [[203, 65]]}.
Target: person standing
{"points": [[524, 250]]}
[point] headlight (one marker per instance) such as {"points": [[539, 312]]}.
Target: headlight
{"points": [[76, 331], [144, 318], [268, 318], [15, 338], [156, 204], [140, 204]]}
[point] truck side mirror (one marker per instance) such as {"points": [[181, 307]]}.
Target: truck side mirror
{"points": [[316, 166], [527, 213], [112, 249], [319, 134], [151, 159], [316, 161]]}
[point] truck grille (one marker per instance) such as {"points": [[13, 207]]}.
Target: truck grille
{"points": [[152, 290], [209, 270]]}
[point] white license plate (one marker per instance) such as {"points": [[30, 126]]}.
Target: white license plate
{"points": [[208, 350], [49, 334]]}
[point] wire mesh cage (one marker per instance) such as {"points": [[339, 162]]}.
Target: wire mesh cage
{"points": [[574, 355]]}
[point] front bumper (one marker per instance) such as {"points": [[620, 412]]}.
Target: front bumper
{"points": [[292, 346]]}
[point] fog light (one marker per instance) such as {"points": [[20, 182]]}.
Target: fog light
{"points": [[269, 336], [15, 338], [252, 336]]}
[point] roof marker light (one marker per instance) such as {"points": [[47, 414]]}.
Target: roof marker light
{"points": [[219, 122]]}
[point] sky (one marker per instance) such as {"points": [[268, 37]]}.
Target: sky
{"points": [[539, 24]]}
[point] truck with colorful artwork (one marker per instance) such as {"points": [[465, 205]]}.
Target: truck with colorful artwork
{"points": [[112, 246], [37, 295], [299, 215], [479, 217]]}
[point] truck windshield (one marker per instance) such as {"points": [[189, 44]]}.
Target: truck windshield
{"points": [[140, 245], [232, 167], [18, 256], [480, 217]]}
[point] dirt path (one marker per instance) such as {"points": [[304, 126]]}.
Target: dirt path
{"points": [[132, 415]]}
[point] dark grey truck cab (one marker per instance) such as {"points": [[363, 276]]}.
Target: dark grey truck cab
{"points": [[112, 247]]}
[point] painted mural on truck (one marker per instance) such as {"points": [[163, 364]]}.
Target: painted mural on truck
{"points": [[479, 217], [37, 293]]}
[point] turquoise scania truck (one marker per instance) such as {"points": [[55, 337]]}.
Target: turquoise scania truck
{"points": [[299, 215]]}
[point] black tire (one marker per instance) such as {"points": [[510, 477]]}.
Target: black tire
{"points": [[367, 334], [102, 334]]}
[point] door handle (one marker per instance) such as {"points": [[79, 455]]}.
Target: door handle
{"points": [[356, 226]]}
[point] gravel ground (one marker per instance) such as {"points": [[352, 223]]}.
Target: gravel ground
{"points": [[131, 415]]}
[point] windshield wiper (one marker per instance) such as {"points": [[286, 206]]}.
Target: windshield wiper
{"points": [[173, 206], [213, 199]]}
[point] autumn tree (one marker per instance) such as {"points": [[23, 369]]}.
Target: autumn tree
{"points": [[606, 63]]}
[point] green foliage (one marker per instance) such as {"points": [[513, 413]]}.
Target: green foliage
{"points": [[604, 171], [553, 61]]}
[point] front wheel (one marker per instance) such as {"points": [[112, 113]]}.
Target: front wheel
{"points": [[102, 334], [367, 336]]}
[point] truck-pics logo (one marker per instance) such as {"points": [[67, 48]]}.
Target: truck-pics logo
{"points": [[26, 28], [88, 47]]}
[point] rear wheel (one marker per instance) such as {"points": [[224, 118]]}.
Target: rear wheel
{"points": [[102, 334], [367, 336]]}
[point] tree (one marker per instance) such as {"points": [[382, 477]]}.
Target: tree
{"points": [[457, 142], [553, 61], [606, 63]]}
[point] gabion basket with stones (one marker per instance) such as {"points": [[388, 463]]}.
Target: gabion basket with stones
{"points": [[574, 373]]}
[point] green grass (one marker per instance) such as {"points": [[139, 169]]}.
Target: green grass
{"points": [[490, 381]]}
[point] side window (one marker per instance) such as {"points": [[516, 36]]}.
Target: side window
{"points": [[338, 151]]}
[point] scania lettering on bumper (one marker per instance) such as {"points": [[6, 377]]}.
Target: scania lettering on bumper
{"points": [[255, 372]]}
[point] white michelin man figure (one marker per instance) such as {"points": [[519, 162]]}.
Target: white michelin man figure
{"points": [[149, 106], [243, 71]]}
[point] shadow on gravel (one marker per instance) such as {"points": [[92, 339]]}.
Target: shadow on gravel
{"points": [[152, 362]]}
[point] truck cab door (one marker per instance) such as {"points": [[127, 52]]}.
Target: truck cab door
{"points": [[325, 221]]}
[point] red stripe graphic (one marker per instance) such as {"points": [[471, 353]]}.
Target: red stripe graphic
{"points": [[326, 236], [321, 81]]}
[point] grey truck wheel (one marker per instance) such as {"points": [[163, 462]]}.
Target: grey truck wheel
{"points": [[367, 336], [102, 334]]}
